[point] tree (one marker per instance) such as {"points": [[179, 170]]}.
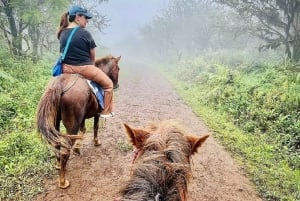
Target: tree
{"points": [[99, 21], [22, 21], [184, 28], [276, 22], [30, 25]]}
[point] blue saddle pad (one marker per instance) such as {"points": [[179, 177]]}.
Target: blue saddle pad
{"points": [[98, 91]]}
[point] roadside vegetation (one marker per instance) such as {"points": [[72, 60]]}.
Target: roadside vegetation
{"points": [[24, 158], [253, 109]]}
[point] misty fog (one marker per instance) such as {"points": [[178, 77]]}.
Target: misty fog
{"points": [[174, 30], [126, 17]]}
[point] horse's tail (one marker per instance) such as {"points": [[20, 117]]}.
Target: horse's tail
{"points": [[47, 114]]}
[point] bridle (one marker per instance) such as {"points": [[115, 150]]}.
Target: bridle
{"points": [[113, 65], [135, 155]]}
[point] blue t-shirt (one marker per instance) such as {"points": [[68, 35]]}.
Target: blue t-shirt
{"points": [[79, 48]]}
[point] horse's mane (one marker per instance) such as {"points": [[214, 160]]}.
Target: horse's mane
{"points": [[163, 169], [103, 61]]}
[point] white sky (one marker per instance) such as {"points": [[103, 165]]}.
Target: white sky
{"points": [[126, 16]]}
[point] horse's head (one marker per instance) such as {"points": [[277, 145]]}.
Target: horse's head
{"points": [[110, 66], [167, 138], [162, 162]]}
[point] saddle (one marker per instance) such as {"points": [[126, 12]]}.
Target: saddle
{"points": [[98, 91]]}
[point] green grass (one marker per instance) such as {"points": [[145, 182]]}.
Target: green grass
{"points": [[24, 162], [24, 158], [266, 166]]}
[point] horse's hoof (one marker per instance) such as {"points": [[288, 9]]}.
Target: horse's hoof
{"points": [[65, 185], [97, 143], [77, 151]]}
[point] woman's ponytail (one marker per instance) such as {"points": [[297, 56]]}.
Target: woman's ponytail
{"points": [[63, 23]]}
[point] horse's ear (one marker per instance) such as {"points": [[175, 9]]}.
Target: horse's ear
{"points": [[136, 136], [118, 58], [196, 142]]}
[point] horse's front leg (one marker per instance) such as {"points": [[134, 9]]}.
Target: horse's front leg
{"points": [[96, 128]]}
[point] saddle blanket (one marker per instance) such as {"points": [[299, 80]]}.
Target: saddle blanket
{"points": [[98, 91]]}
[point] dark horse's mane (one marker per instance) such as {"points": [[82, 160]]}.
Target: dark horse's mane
{"points": [[156, 179], [162, 169]]}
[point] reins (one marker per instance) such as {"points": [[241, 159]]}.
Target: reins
{"points": [[135, 155]]}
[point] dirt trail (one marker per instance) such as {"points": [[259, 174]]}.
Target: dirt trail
{"points": [[145, 96]]}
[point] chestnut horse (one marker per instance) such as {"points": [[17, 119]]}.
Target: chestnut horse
{"points": [[161, 167], [68, 98]]}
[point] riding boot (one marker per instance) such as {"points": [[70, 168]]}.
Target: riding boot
{"points": [[108, 102]]}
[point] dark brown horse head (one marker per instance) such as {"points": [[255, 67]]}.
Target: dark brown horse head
{"points": [[162, 162], [110, 66]]}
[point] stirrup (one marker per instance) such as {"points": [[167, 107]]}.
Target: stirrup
{"points": [[107, 115]]}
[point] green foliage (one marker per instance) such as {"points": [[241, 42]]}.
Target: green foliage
{"points": [[7, 112], [22, 83], [29, 27], [23, 157], [124, 147], [187, 27], [259, 99], [29, 23], [254, 111], [271, 21]]}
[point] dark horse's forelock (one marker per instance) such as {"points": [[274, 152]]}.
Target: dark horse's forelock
{"points": [[109, 65], [162, 169], [103, 61]]}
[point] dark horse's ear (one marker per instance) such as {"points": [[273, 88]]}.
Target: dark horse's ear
{"points": [[118, 58], [137, 136], [196, 142]]}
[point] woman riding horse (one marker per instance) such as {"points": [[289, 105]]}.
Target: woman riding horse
{"points": [[80, 57], [68, 98]]}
